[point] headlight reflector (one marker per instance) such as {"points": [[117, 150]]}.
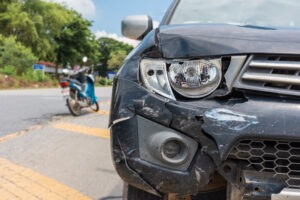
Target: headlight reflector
{"points": [[197, 78], [154, 76]]}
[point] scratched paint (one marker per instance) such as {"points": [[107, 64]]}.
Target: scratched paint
{"points": [[231, 120]]}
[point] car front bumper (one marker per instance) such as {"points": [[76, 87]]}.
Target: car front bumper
{"points": [[216, 125]]}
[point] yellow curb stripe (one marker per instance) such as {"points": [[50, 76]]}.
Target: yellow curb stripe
{"points": [[18, 182], [104, 133], [18, 134], [17, 191], [101, 112], [4, 194], [11, 137]]}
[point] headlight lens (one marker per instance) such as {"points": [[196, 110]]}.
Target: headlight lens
{"points": [[197, 78], [192, 79], [154, 76]]}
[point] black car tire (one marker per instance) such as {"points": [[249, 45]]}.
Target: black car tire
{"points": [[133, 193]]}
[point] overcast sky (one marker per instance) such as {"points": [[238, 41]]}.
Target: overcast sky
{"points": [[107, 14]]}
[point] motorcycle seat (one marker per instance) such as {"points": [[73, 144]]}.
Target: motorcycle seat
{"points": [[81, 85], [75, 81]]}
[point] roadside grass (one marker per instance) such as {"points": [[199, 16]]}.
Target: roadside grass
{"points": [[101, 81], [27, 80], [31, 79]]}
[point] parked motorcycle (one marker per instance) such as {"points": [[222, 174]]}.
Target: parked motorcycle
{"points": [[79, 91]]}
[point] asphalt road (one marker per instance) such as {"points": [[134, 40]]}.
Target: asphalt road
{"points": [[20, 109], [45, 153]]}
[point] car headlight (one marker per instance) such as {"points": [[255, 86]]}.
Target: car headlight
{"points": [[192, 79], [197, 78]]}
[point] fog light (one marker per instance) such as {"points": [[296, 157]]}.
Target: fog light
{"points": [[172, 148], [167, 147]]}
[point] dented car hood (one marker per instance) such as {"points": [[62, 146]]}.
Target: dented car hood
{"points": [[196, 40]]}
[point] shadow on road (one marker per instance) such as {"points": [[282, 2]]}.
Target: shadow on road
{"points": [[68, 114]]}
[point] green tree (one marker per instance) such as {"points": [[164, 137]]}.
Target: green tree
{"points": [[50, 20], [116, 60], [34, 23], [15, 55], [5, 3], [109, 49], [75, 41], [50, 30], [16, 22]]}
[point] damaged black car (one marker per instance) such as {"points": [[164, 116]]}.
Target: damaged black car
{"points": [[207, 105]]}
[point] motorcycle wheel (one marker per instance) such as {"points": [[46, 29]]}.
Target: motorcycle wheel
{"points": [[74, 107], [95, 107]]}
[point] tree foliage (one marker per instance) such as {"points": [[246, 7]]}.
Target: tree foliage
{"points": [[34, 23], [15, 55], [52, 31], [76, 41], [112, 54], [34, 30], [116, 60], [49, 19]]}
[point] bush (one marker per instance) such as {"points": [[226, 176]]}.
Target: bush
{"points": [[27, 76], [8, 70], [35, 76], [103, 82], [15, 54], [39, 76]]}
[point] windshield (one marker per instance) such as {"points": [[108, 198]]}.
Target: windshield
{"points": [[264, 13]]}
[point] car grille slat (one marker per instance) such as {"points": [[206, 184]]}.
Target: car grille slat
{"points": [[287, 65], [273, 74], [281, 158], [272, 78]]}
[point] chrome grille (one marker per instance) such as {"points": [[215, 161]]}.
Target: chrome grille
{"points": [[280, 158], [276, 74]]}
